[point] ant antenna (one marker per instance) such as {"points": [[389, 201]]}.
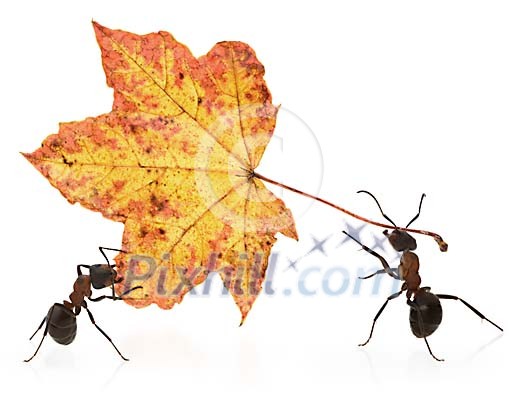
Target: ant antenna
{"points": [[380, 209], [417, 216], [109, 248]]}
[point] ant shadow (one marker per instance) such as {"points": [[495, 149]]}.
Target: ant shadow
{"points": [[419, 361], [482, 348], [56, 365]]}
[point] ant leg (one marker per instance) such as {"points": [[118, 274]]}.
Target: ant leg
{"points": [[391, 297], [420, 323], [115, 297], [419, 211], [380, 209], [382, 271], [104, 333], [38, 348], [451, 297], [387, 268], [81, 266], [44, 335], [428, 347], [39, 327]]}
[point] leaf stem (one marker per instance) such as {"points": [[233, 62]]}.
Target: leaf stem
{"points": [[443, 246]]}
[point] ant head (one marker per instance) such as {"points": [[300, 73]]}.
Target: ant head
{"points": [[400, 240], [102, 275]]}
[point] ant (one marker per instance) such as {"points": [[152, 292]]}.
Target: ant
{"points": [[61, 321], [425, 308]]}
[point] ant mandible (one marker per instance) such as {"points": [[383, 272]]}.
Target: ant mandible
{"points": [[425, 308], [61, 321]]}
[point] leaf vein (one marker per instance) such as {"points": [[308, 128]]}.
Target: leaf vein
{"points": [[239, 113], [168, 95], [201, 216]]}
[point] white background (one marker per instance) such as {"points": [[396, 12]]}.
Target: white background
{"points": [[404, 97]]}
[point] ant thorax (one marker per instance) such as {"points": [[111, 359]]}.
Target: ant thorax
{"points": [[408, 265], [409, 272], [81, 289]]}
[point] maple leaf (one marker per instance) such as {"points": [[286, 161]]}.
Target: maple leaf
{"points": [[174, 161]]}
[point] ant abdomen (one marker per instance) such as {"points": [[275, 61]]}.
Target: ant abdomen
{"points": [[62, 324], [425, 313]]}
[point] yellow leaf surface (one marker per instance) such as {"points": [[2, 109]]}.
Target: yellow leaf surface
{"points": [[174, 161]]}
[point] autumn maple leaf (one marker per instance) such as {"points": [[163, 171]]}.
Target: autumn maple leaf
{"points": [[174, 161]]}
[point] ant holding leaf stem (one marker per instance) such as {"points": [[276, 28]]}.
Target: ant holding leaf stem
{"points": [[61, 321], [425, 307]]}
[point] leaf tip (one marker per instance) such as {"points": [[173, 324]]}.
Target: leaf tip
{"points": [[290, 231], [99, 29], [27, 156], [244, 314]]}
